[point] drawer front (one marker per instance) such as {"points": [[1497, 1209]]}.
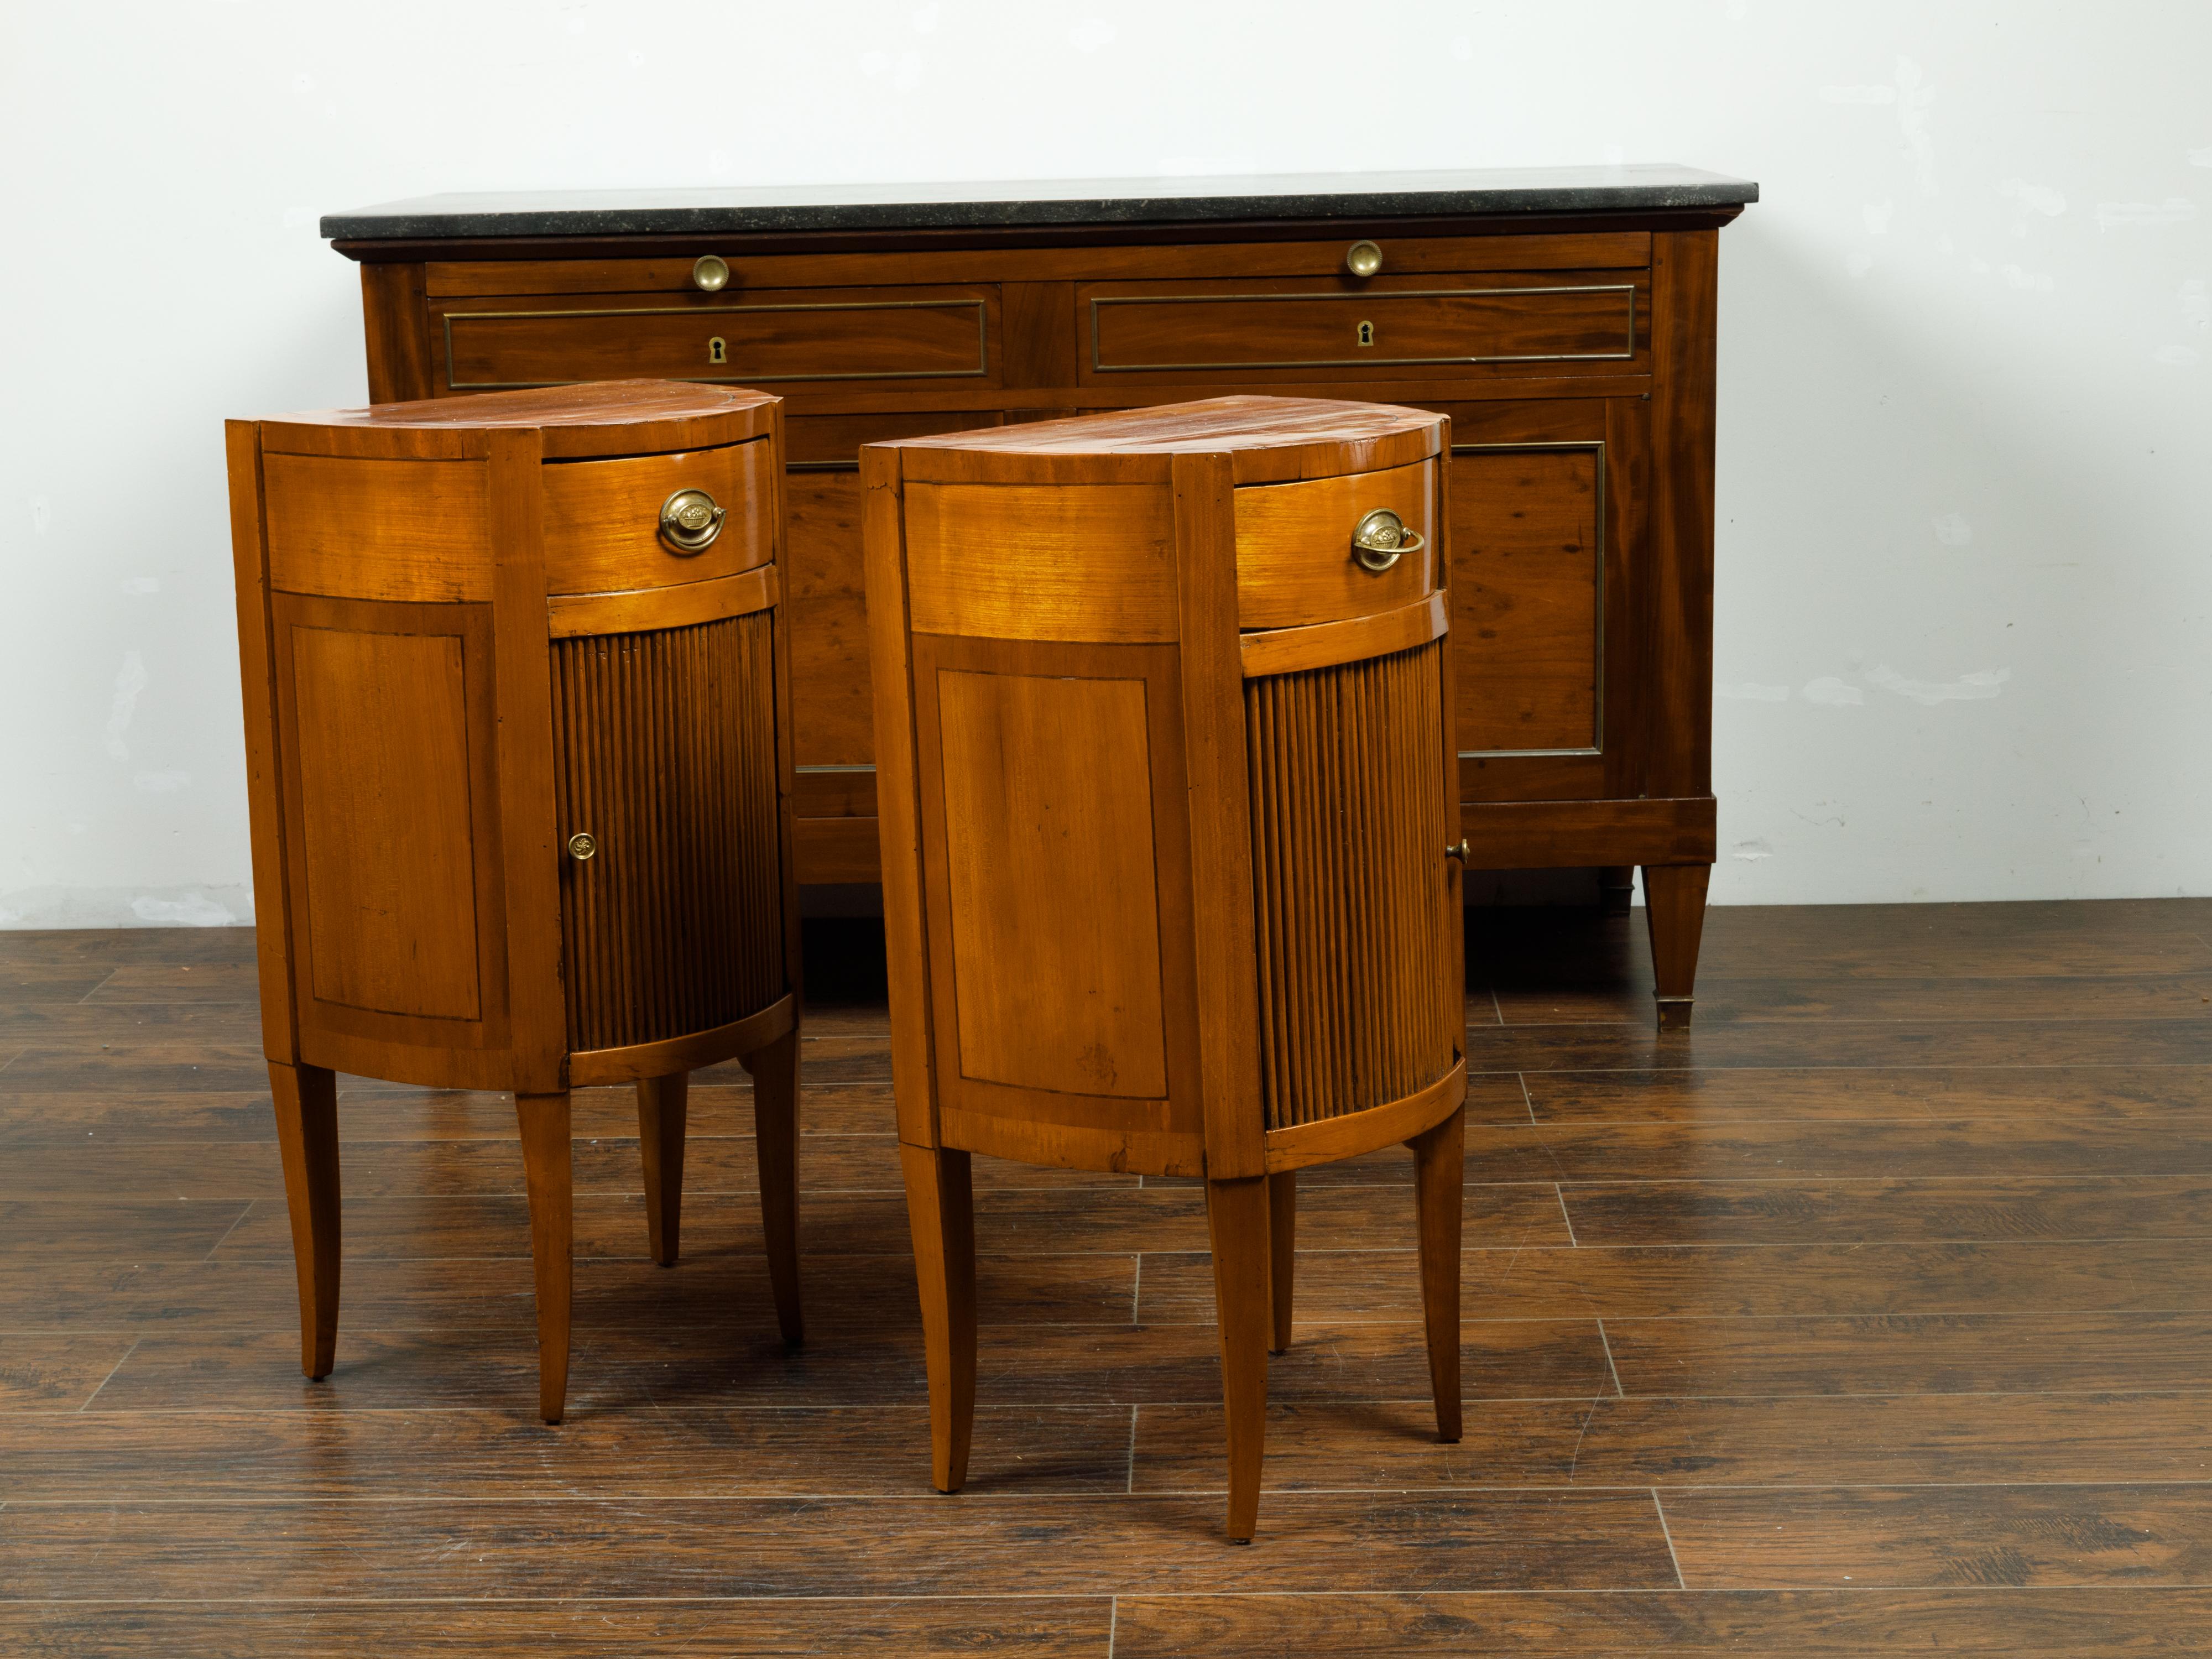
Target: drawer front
{"points": [[936, 335], [603, 519], [1593, 318], [1294, 555]]}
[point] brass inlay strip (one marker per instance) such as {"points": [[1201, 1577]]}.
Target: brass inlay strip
{"points": [[982, 341], [1596, 446], [1100, 367]]}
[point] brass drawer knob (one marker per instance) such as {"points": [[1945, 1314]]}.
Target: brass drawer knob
{"points": [[582, 845], [1458, 851], [1363, 258], [1382, 539], [690, 521], [710, 272]]}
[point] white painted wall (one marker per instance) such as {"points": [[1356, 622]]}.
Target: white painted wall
{"points": [[1966, 446]]}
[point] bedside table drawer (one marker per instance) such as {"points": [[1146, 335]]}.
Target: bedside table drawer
{"points": [[604, 531], [895, 335], [1295, 559], [1338, 334]]}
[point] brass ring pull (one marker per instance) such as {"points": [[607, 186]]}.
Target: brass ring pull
{"points": [[582, 845], [1458, 851], [690, 521], [1363, 258], [1382, 538], [710, 272]]}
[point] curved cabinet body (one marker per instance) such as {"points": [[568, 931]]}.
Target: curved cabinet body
{"points": [[521, 763], [1169, 815]]}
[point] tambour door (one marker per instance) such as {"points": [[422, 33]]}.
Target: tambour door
{"points": [[667, 799], [1546, 502], [1361, 995]]}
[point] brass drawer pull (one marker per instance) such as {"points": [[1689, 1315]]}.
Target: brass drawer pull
{"points": [[582, 845], [690, 521], [710, 272], [1382, 538], [1363, 258], [1458, 851]]}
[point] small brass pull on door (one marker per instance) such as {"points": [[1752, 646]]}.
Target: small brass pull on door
{"points": [[709, 273], [1457, 851], [690, 521], [1382, 539], [1363, 258], [582, 845]]}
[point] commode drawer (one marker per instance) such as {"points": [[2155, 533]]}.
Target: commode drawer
{"points": [[859, 335], [1295, 561], [656, 520], [1446, 322]]}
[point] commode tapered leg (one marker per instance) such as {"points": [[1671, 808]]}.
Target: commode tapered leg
{"points": [[308, 1137], [1282, 1248], [1674, 910], [941, 1206], [663, 1104], [776, 1139], [1236, 1222], [547, 1168], [1439, 1172]]}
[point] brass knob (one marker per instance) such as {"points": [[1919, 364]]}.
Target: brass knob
{"points": [[708, 272], [690, 521], [1363, 258], [1458, 851], [1382, 538], [582, 845]]}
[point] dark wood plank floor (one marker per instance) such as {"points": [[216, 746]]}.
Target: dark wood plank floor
{"points": [[1873, 1317]]}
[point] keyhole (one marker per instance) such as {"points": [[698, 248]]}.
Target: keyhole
{"points": [[718, 350], [1367, 334]]}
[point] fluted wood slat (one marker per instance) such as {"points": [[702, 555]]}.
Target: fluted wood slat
{"points": [[1348, 829], [666, 754]]}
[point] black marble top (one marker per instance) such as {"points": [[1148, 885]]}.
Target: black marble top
{"points": [[1055, 202]]}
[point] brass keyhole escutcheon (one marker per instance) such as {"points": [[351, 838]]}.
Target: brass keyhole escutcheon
{"points": [[718, 350], [1367, 334], [582, 845]]}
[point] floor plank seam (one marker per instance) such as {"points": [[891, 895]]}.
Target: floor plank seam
{"points": [[1614, 1371], [1666, 1533]]}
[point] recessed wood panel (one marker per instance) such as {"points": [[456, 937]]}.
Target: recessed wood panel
{"points": [[1096, 561], [378, 530], [1378, 329], [603, 519], [934, 335], [826, 606], [1527, 593], [1053, 918], [383, 764], [1294, 562]]}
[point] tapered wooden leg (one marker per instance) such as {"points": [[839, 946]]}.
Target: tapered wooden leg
{"points": [[547, 1169], [663, 1104], [941, 1206], [1674, 901], [1616, 887], [307, 1138], [775, 1143], [1439, 1170], [1282, 1251], [1237, 1221]]}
